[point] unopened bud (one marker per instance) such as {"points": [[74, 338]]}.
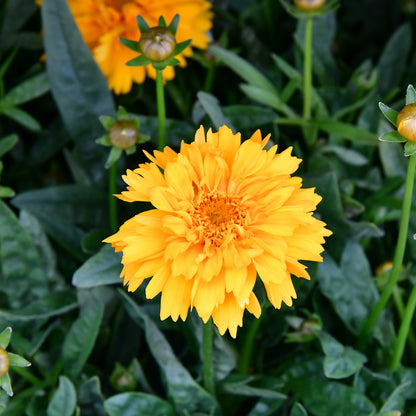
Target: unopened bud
{"points": [[157, 43], [123, 134], [309, 4], [4, 362], [406, 122]]}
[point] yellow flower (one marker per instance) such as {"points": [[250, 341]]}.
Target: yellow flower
{"points": [[224, 211], [406, 122], [102, 22]]}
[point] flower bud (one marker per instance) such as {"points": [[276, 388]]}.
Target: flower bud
{"points": [[123, 134], [309, 4], [4, 362], [157, 43], [406, 122]]}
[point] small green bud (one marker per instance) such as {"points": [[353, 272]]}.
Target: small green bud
{"points": [[123, 134], [309, 4], [157, 43]]}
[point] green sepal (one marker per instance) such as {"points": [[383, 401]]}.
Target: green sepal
{"points": [[5, 336], [409, 149], [304, 14], [173, 25], [140, 60], [130, 150], [18, 361], [7, 143], [114, 155], [122, 114], [181, 47], [104, 140], [107, 122], [6, 384], [162, 22], [6, 192], [142, 138], [392, 137], [389, 113], [410, 95], [143, 26], [131, 44]]}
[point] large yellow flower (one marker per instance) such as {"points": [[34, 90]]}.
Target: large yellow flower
{"points": [[224, 211], [102, 22]]}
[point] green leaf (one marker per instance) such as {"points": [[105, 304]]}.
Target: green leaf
{"points": [[389, 113], [81, 337], [187, 395], [6, 192], [409, 149], [78, 86], [63, 401], [244, 69], [266, 407], [332, 398], [298, 410], [101, 269], [340, 362], [20, 116], [133, 404], [5, 337], [269, 98], [249, 116], [347, 131], [397, 398], [131, 44], [18, 361], [213, 109], [7, 143], [392, 137], [91, 399], [393, 60], [350, 288], [410, 95], [28, 90], [349, 156]]}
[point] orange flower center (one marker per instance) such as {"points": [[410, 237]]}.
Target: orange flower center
{"points": [[219, 218]]}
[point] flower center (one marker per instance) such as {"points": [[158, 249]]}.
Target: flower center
{"points": [[218, 217]]}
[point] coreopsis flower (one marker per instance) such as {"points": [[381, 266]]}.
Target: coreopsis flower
{"points": [[102, 22], [224, 211]]}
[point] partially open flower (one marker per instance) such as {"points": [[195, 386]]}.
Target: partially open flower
{"points": [[123, 134], [157, 43], [406, 122], [309, 4]]}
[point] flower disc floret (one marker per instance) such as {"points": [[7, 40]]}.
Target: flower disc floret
{"points": [[406, 122], [224, 212]]}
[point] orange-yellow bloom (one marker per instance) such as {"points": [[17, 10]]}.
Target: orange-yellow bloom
{"points": [[102, 22], [224, 211]]}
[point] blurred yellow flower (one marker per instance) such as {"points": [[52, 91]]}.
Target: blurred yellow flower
{"points": [[224, 211], [102, 22]]}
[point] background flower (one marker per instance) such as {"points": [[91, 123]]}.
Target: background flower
{"points": [[224, 211], [102, 22]]}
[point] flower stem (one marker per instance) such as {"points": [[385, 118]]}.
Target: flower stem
{"points": [[247, 350], [307, 70], [112, 201], [207, 359], [161, 111], [398, 256], [404, 330]]}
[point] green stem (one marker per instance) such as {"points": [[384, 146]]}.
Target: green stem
{"points": [[307, 70], [398, 257], [404, 330], [247, 350], [161, 111], [207, 359], [112, 200]]}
